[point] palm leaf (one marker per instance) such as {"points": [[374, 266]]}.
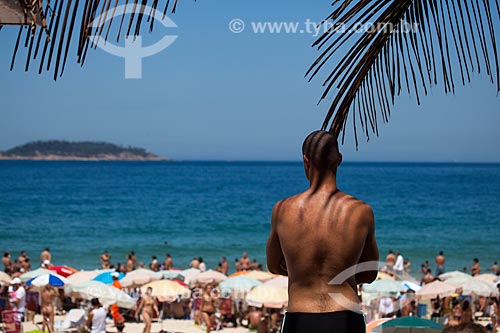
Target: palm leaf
{"points": [[413, 45], [54, 22]]}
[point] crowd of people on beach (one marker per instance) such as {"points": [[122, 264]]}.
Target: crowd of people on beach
{"points": [[206, 300]]}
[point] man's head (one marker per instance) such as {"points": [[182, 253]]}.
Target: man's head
{"points": [[115, 275], [23, 253], [245, 255], [321, 153], [441, 253], [47, 249], [6, 254], [168, 255], [95, 302], [476, 261]]}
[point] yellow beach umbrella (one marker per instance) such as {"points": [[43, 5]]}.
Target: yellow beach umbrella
{"points": [[268, 296], [167, 290], [261, 276]]}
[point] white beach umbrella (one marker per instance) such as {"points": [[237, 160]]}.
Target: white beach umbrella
{"points": [[474, 287], [384, 287], [280, 281], [107, 294], [210, 276], [171, 275], [31, 274], [433, 289], [84, 276], [454, 274], [268, 296], [261, 276], [139, 277], [489, 278], [190, 275]]}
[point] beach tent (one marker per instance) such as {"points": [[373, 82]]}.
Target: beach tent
{"points": [[409, 325], [436, 288], [139, 277], [489, 278], [268, 296], [280, 281], [47, 279], [210, 276], [31, 274], [171, 275], [4, 278], [384, 287], [84, 276], [239, 286], [106, 277], [63, 271], [474, 286], [261, 276], [108, 295], [167, 290]]}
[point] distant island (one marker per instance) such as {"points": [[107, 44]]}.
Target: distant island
{"points": [[77, 151]]}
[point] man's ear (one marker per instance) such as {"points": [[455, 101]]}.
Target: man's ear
{"points": [[340, 159], [307, 163]]}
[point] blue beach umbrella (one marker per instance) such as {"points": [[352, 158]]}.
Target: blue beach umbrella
{"points": [[47, 279], [106, 277]]}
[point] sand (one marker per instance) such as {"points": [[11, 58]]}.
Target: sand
{"points": [[170, 325]]}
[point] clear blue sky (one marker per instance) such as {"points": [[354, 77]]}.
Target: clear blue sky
{"points": [[218, 95]]}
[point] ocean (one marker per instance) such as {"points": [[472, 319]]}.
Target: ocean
{"points": [[214, 209]]}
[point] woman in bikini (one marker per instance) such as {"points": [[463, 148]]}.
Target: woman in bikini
{"points": [[208, 307], [48, 295], [148, 308]]}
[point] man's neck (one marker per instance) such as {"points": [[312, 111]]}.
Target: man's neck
{"points": [[326, 183]]}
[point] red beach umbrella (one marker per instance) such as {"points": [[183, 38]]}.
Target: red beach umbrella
{"points": [[64, 271]]}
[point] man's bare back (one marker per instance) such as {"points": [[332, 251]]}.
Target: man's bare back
{"points": [[315, 236]]}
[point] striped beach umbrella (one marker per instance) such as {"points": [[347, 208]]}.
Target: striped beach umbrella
{"points": [[31, 274], [63, 271], [53, 280]]}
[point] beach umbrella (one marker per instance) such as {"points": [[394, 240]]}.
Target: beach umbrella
{"points": [[51, 279], [473, 286], [384, 276], [63, 271], [268, 296], [190, 275], [489, 278], [210, 276], [409, 325], [261, 276], [431, 290], [239, 286], [106, 277], [84, 276], [4, 278], [239, 273], [167, 290], [280, 281], [371, 325], [384, 287], [454, 274], [171, 275], [139, 277], [31, 274], [107, 294], [412, 285]]}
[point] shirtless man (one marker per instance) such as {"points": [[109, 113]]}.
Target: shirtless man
{"points": [[428, 277], [7, 263], [169, 264], [130, 263], [105, 260], [45, 255], [195, 263], [476, 269], [47, 308], [22, 258], [315, 236], [224, 267], [245, 262], [440, 260]]}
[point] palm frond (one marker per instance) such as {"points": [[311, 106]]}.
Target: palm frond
{"points": [[48, 26], [412, 45]]}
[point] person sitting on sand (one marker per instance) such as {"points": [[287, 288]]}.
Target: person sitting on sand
{"points": [[455, 318], [47, 307], [207, 308], [318, 235], [148, 308]]}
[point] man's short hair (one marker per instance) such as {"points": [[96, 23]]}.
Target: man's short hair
{"points": [[322, 150], [94, 302], [466, 328]]}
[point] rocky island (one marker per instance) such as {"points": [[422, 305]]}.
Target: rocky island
{"points": [[77, 151]]}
